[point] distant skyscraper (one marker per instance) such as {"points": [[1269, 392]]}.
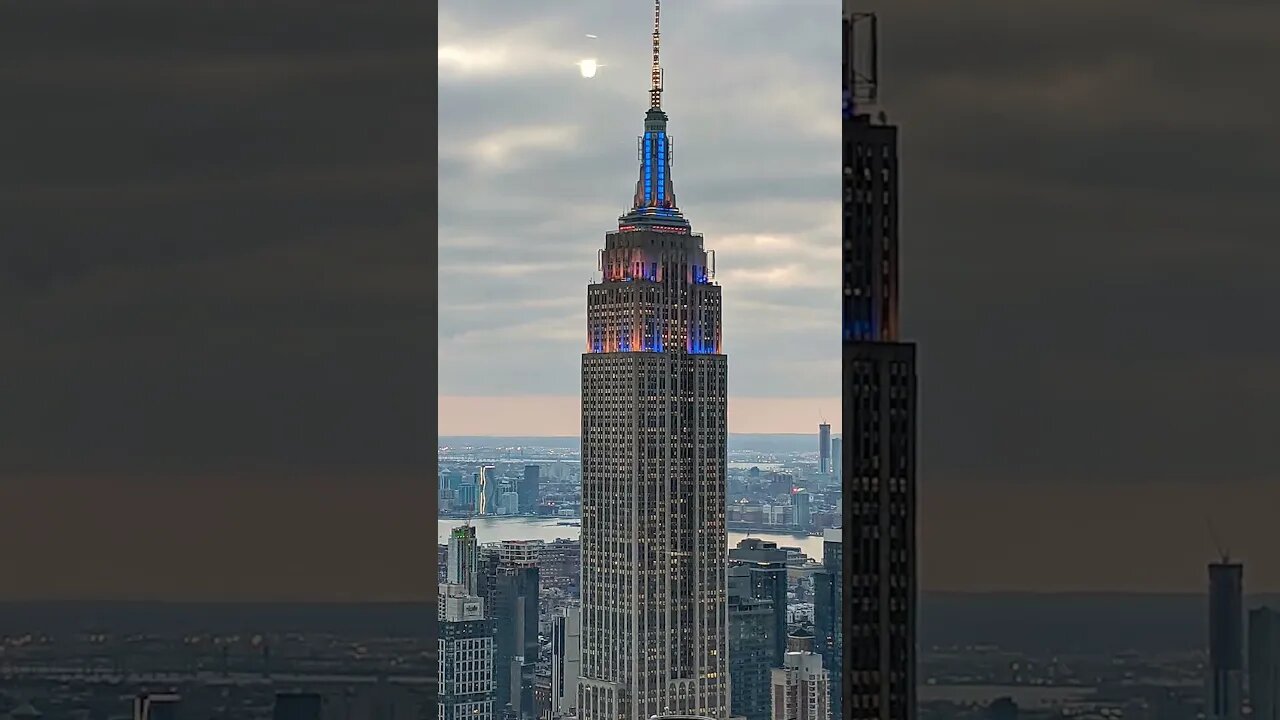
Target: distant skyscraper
{"points": [[836, 457], [508, 503], [878, 675], [799, 688], [528, 488], [465, 686], [654, 397], [463, 558], [766, 565], [1264, 663], [1226, 640], [467, 496], [828, 628], [566, 659], [157, 706], [487, 491], [824, 449], [800, 500], [298, 706], [752, 645]]}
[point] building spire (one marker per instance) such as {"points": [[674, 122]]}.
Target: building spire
{"points": [[655, 73], [654, 203]]}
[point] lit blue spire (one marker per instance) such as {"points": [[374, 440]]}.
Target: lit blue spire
{"points": [[655, 199]]}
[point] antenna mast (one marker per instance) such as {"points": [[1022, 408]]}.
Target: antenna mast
{"points": [[655, 73], [1223, 553], [862, 61]]}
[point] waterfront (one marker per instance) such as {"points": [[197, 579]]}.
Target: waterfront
{"points": [[493, 529]]}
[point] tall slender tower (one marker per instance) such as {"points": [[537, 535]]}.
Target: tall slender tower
{"points": [[878, 669], [1226, 640], [824, 448], [654, 557]]}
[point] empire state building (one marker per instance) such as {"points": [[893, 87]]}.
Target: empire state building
{"points": [[654, 556]]}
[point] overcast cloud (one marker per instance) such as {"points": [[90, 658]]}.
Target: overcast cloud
{"points": [[537, 163]]}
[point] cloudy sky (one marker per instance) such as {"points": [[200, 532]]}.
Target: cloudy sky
{"points": [[1089, 239], [537, 163]]}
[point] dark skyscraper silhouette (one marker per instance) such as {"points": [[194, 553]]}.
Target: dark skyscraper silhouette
{"points": [[511, 590], [1226, 640], [824, 448], [766, 566], [1264, 663], [528, 488], [752, 645], [828, 631], [879, 453]]}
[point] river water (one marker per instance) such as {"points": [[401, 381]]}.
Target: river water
{"points": [[494, 529]]}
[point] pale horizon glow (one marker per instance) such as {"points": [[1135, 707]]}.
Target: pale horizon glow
{"points": [[560, 415]]}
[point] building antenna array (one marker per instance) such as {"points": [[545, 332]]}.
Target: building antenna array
{"points": [[655, 72], [1223, 552]]}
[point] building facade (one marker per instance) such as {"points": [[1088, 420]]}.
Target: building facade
{"points": [[765, 564], [465, 680], [513, 596], [487, 490], [528, 488], [654, 401], [799, 688], [752, 645], [463, 558], [824, 449], [566, 660], [803, 512], [878, 672], [1264, 663], [828, 625]]}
